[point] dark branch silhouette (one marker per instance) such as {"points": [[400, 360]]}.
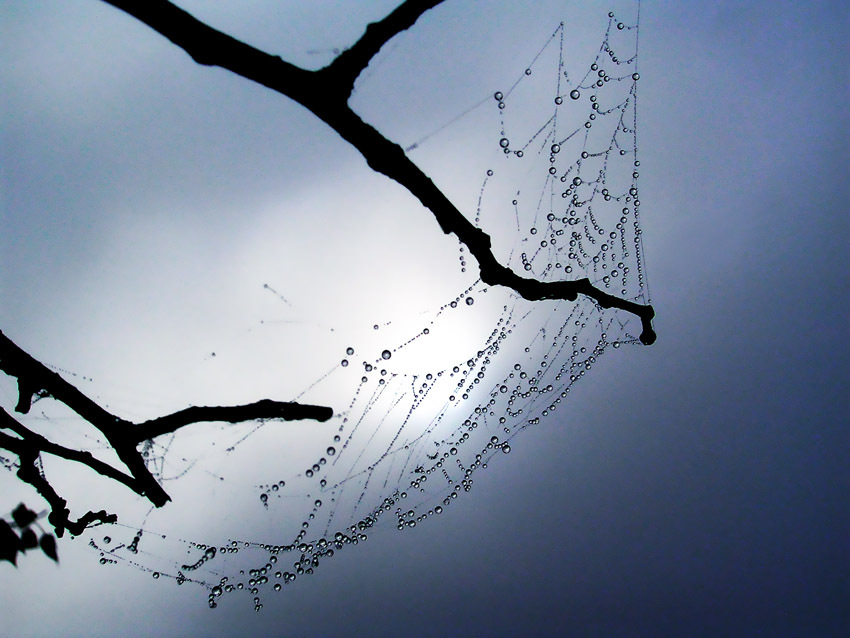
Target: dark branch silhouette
{"points": [[350, 63], [36, 379], [325, 93], [34, 441], [29, 473], [260, 410]]}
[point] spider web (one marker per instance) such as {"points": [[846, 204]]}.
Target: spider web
{"points": [[428, 398]]}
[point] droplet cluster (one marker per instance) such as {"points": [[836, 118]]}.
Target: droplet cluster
{"points": [[409, 438]]}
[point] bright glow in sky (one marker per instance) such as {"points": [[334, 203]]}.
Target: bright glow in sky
{"points": [[145, 201]]}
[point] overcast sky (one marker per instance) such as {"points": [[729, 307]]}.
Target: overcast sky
{"points": [[697, 487]]}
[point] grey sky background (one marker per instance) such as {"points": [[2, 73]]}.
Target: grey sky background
{"points": [[698, 487]]}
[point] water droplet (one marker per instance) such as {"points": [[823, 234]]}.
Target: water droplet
{"points": [[506, 448], [555, 148], [470, 301], [386, 354], [621, 26], [528, 71], [504, 142], [559, 100], [155, 574], [498, 96], [575, 94], [350, 351], [331, 451], [490, 173], [636, 76], [344, 363]]}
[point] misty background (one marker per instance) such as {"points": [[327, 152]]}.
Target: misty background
{"points": [[697, 487]]}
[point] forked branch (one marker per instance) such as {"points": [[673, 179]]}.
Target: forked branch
{"points": [[28, 472], [325, 93], [350, 63], [34, 378]]}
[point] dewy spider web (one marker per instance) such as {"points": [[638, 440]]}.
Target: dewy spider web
{"points": [[416, 424]]}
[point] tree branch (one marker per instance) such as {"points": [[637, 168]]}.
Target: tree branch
{"points": [[325, 93], [348, 65], [36, 376], [263, 409], [209, 46], [124, 436], [39, 444], [59, 515]]}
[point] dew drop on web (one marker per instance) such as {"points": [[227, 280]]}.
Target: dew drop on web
{"points": [[406, 441]]}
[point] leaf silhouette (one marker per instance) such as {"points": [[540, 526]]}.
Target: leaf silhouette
{"points": [[9, 543], [48, 546], [23, 516], [28, 540]]}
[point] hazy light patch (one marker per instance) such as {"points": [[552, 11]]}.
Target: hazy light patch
{"points": [[336, 288]]}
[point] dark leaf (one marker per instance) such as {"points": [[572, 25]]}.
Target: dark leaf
{"points": [[23, 516], [48, 546], [8, 543], [28, 540]]}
